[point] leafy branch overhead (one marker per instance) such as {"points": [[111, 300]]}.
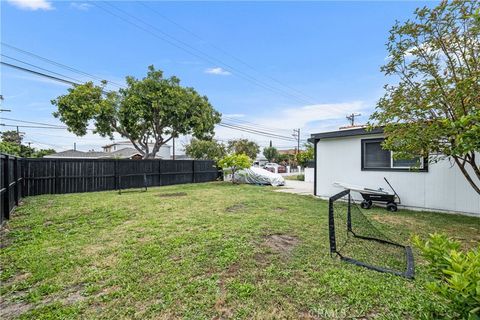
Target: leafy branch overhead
{"points": [[433, 108], [154, 109]]}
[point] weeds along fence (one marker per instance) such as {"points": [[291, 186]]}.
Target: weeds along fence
{"points": [[29, 177]]}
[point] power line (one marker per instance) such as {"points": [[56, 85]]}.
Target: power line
{"points": [[191, 50], [38, 73], [49, 126], [257, 130], [254, 125], [253, 132], [61, 65], [32, 65], [220, 49], [32, 122]]}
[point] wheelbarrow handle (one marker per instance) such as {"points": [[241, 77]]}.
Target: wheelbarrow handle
{"points": [[394, 192]]}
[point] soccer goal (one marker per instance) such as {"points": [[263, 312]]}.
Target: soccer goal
{"points": [[355, 239]]}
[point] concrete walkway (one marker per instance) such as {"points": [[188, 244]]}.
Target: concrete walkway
{"points": [[297, 187]]}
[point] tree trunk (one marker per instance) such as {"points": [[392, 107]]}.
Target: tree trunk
{"points": [[466, 174]]}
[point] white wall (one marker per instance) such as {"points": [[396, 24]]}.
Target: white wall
{"points": [[442, 188], [309, 174], [164, 152]]}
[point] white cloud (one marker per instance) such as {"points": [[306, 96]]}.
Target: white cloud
{"points": [[303, 116], [82, 6], [233, 115], [218, 71], [32, 4], [310, 119]]}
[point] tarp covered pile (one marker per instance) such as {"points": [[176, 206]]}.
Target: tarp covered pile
{"points": [[254, 175]]}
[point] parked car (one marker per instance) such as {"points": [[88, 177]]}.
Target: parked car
{"points": [[272, 166]]}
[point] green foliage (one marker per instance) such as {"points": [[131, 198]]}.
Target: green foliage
{"points": [[245, 146], [153, 108], [43, 152], [12, 136], [235, 162], [433, 106], [307, 155], [270, 153], [205, 149], [10, 148], [456, 273], [20, 150]]}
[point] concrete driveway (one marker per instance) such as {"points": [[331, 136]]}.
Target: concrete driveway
{"points": [[297, 187]]}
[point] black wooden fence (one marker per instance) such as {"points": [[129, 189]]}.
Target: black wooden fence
{"points": [[30, 177]]}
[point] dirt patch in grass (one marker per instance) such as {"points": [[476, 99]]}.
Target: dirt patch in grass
{"points": [[224, 311], [5, 241], [396, 220], [172, 195], [280, 209], [13, 308], [16, 279], [281, 243], [236, 208]]}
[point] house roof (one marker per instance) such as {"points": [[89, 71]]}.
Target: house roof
{"points": [[123, 153], [287, 151], [75, 154], [344, 133]]}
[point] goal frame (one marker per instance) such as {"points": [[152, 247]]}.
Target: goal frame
{"points": [[409, 272]]}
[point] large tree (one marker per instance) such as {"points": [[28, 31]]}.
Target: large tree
{"points": [[154, 109], [205, 149], [245, 146], [433, 108]]}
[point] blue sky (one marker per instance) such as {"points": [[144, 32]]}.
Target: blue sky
{"points": [[282, 65]]}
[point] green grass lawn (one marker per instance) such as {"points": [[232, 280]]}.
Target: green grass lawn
{"points": [[200, 252]]}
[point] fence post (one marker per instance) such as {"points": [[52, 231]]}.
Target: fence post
{"points": [[331, 228], [115, 174], [349, 213], [6, 198], [15, 177], [193, 171], [57, 177]]}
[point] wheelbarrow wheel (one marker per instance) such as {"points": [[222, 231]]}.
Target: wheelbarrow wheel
{"points": [[366, 204], [392, 207]]}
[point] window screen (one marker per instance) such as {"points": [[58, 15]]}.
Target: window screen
{"points": [[374, 156], [407, 163]]}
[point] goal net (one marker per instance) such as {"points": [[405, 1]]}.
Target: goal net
{"points": [[355, 239]]}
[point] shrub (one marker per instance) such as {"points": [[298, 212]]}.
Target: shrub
{"points": [[235, 162], [456, 274]]}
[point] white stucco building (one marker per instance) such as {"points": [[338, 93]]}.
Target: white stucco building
{"points": [[355, 156], [163, 153]]}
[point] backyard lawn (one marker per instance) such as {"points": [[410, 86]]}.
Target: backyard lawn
{"points": [[203, 251]]}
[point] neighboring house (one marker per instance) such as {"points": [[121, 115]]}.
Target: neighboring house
{"points": [[355, 156], [260, 161], [119, 150], [75, 154], [288, 151], [163, 153]]}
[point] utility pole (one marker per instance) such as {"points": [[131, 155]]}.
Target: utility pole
{"points": [[3, 110], [20, 135], [351, 118], [296, 134], [173, 154]]}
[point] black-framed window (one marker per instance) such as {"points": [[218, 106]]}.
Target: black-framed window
{"points": [[374, 157]]}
